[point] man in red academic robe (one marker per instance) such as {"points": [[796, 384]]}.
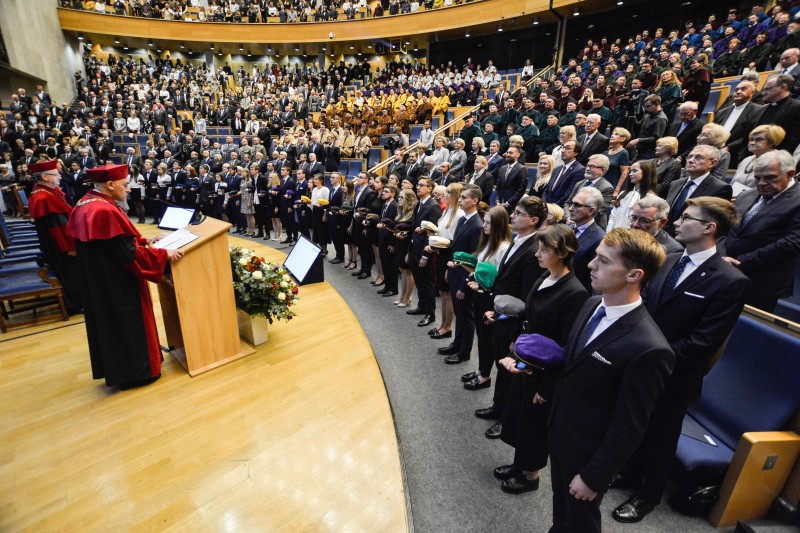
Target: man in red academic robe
{"points": [[115, 264], [50, 213]]}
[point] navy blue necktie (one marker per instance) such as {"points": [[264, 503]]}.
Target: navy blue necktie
{"points": [[599, 314], [681, 199], [674, 276]]}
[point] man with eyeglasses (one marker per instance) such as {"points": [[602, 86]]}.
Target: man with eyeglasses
{"points": [[695, 299], [583, 210], [50, 213], [765, 244], [426, 209], [699, 182], [650, 214], [593, 141], [781, 109], [653, 126], [596, 168], [686, 129]]}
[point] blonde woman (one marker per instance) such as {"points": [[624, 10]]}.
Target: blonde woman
{"points": [[618, 159], [447, 228], [762, 139], [441, 154], [274, 205], [406, 201], [565, 134], [715, 135], [544, 171]]}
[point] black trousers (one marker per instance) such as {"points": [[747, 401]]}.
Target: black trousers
{"points": [[482, 302], [364, 246], [465, 319], [653, 460], [262, 221], [426, 291], [287, 218], [336, 234], [390, 271], [571, 515]]}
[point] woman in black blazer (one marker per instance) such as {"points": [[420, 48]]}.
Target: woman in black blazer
{"points": [[550, 310]]}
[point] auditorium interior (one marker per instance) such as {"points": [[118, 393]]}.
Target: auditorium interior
{"points": [[347, 418]]}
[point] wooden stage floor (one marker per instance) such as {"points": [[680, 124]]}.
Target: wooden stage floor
{"points": [[296, 437]]}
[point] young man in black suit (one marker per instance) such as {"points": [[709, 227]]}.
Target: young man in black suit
{"points": [[421, 268], [765, 244], [334, 221], [695, 299], [388, 210], [482, 178], [363, 200], [517, 272], [616, 365], [466, 237], [699, 164], [286, 205]]}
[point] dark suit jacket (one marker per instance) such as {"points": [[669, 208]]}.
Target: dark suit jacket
{"points": [[486, 183], [785, 114], [669, 244], [516, 276], [607, 391], [494, 165], [710, 186], [688, 137], [767, 245], [511, 184], [564, 186], [737, 142], [597, 145], [465, 239], [606, 189], [587, 244], [696, 318], [413, 174], [430, 212]]}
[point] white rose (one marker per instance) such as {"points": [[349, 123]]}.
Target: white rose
{"points": [[257, 274], [286, 277], [281, 296], [284, 285], [243, 261]]}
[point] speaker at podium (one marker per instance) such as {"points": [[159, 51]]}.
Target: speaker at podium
{"points": [[304, 262]]}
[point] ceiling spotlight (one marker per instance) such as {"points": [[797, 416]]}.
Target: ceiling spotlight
{"points": [[277, 54], [359, 53], [536, 21], [116, 39], [211, 46], [125, 47], [150, 43], [408, 42], [324, 48], [467, 34], [183, 45], [369, 44], [241, 48], [80, 36], [352, 47], [219, 53], [416, 48], [249, 54], [576, 12], [158, 51], [500, 27], [296, 48], [269, 49], [191, 53], [332, 54], [305, 54]]}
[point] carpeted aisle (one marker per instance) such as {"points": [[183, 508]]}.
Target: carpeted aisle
{"points": [[447, 459]]}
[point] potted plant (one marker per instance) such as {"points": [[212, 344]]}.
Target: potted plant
{"points": [[264, 292]]}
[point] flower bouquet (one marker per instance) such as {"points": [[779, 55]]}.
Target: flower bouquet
{"points": [[262, 288]]}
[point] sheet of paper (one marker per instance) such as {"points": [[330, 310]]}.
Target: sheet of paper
{"points": [[176, 239], [739, 188]]}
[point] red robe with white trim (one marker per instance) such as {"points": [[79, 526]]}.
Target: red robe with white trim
{"points": [[115, 264]]}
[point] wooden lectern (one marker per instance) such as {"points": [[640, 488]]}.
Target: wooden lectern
{"points": [[198, 305]]}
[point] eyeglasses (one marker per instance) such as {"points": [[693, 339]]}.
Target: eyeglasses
{"points": [[516, 213], [641, 220], [684, 217], [594, 166]]}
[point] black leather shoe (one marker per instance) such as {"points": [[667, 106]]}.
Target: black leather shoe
{"points": [[519, 484], [336, 261], [469, 376], [505, 472], [364, 275], [416, 311], [357, 273], [437, 335], [490, 413], [432, 331], [285, 241], [389, 293], [450, 349], [476, 384], [382, 291], [427, 320], [454, 360], [632, 511], [494, 431]]}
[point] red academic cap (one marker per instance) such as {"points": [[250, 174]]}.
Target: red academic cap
{"points": [[107, 173], [43, 167]]}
